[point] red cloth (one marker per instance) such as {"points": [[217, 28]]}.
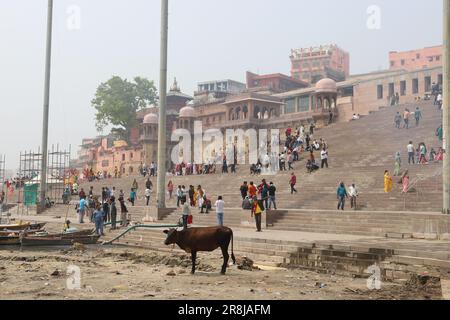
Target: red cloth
{"points": [[252, 191], [293, 180]]}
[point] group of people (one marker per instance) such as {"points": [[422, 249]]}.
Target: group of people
{"points": [[436, 91], [418, 155], [258, 198], [101, 209], [342, 194], [398, 119], [197, 197], [300, 143], [145, 170], [389, 184], [194, 197]]}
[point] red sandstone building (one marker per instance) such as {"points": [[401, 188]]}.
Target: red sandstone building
{"points": [[429, 57], [316, 63], [273, 83]]}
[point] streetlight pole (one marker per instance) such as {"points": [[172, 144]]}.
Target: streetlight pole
{"points": [[161, 180], [46, 105], [446, 108]]}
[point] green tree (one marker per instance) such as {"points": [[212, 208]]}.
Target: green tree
{"points": [[118, 100]]}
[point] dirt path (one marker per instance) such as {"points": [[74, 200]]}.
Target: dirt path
{"points": [[124, 273]]}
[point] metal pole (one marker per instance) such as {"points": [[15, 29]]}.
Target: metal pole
{"points": [[46, 104], [161, 179], [446, 108]]}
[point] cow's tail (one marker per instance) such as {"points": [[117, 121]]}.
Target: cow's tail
{"points": [[232, 248]]}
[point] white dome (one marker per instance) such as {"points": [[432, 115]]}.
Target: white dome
{"points": [[326, 85], [187, 112], [151, 118]]}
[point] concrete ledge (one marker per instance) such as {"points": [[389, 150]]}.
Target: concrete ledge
{"points": [[426, 236]]}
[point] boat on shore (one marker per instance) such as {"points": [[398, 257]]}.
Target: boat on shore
{"points": [[5, 233], [11, 240], [42, 237], [22, 226], [58, 240]]}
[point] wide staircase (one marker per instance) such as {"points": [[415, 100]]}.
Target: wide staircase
{"points": [[359, 153]]}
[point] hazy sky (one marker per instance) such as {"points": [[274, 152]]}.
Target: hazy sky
{"points": [[209, 40]]}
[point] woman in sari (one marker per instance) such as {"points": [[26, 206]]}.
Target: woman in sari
{"points": [[423, 154], [405, 182], [439, 155], [170, 189], [398, 164], [387, 182]]}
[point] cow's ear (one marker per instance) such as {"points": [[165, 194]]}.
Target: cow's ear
{"points": [[166, 231]]}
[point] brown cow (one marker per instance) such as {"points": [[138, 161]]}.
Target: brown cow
{"points": [[193, 240]]}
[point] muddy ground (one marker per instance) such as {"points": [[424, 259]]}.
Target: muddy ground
{"points": [[124, 273]]}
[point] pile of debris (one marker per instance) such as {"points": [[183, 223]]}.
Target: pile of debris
{"points": [[244, 263]]}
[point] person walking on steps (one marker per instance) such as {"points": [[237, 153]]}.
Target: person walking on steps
{"points": [[186, 212], [417, 116], [135, 185], [98, 218], [220, 205], [398, 120], [411, 152], [257, 210], [324, 158], [341, 195], [353, 193], [81, 210], [387, 182], [292, 183], [244, 190], [133, 197], [272, 199], [148, 193], [113, 212]]}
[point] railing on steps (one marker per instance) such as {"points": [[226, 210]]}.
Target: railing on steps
{"points": [[414, 189]]}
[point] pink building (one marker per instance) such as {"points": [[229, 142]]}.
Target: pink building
{"points": [[425, 58], [126, 159], [316, 63]]}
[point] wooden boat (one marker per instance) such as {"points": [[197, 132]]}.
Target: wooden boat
{"points": [[10, 240], [58, 240], [18, 226], [22, 226], [75, 234], [87, 232], [37, 226], [5, 233]]}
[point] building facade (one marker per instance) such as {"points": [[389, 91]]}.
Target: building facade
{"points": [[316, 63], [361, 94], [226, 86], [257, 109], [273, 83], [425, 58]]}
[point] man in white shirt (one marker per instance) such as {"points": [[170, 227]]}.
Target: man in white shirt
{"points": [[353, 193], [148, 193], [220, 205], [186, 214], [439, 100], [411, 152], [324, 157]]}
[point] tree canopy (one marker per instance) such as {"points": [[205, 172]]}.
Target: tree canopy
{"points": [[118, 100]]}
